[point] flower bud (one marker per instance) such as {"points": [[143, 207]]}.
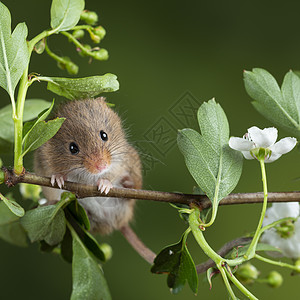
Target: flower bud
{"points": [[247, 273], [78, 34], [101, 54], [274, 279], [89, 17], [39, 47], [30, 191], [100, 31], [87, 47], [72, 68], [297, 265], [107, 251]]}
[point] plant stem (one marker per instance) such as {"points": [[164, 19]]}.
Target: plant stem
{"points": [[251, 250], [277, 263], [18, 123], [234, 280], [226, 281]]}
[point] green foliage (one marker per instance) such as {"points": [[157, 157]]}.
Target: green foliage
{"points": [[176, 261], [13, 206], [215, 167], [65, 14], [40, 133], [88, 279], [81, 88], [280, 106], [10, 227], [31, 110], [45, 223], [14, 55]]}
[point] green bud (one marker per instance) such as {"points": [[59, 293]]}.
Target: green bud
{"points": [[100, 31], [72, 68], [30, 191], [89, 17], [107, 250], [62, 64], [297, 264], [274, 279], [39, 47], [101, 54], [87, 47], [285, 229], [95, 38], [247, 273], [78, 34]]}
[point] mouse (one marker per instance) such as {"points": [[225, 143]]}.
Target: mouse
{"points": [[91, 147]]}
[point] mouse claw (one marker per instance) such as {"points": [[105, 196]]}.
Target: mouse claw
{"points": [[104, 185], [59, 179]]}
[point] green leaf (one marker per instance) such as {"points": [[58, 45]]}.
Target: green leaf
{"points": [[10, 228], [215, 167], [45, 223], [13, 206], [77, 220], [31, 109], [280, 106], [28, 127], [66, 247], [82, 88], [176, 261], [88, 279], [41, 133], [65, 14], [79, 213], [14, 54], [240, 251]]}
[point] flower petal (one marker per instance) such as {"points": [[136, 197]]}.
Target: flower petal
{"points": [[240, 144], [263, 138], [247, 155], [274, 156], [284, 145]]}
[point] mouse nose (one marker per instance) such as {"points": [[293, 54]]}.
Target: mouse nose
{"points": [[96, 163]]}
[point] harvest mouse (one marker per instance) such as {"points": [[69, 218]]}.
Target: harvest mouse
{"points": [[91, 148]]}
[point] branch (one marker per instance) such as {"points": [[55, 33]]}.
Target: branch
{"points": [[84, 190]]}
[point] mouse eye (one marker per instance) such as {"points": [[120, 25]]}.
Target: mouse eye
{"points": [[74, 149], [103, 135]]}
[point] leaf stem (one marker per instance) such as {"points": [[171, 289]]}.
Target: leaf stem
{"points": [[226, 281], [277, 263], [251, 250]]}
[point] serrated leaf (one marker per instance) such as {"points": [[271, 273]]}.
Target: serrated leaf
{"points": [[31, 109], [45, 223], [215, 167], [14, 54], [65, 14], [82, 88], [176, 261], [88, 279], [41, 133], [10, 228], [280, 106], [13, 206]]}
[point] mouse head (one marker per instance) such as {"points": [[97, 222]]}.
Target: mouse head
{"points": [[90, 139]]}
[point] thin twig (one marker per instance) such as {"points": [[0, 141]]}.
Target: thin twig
{"points": [[84, 190]]}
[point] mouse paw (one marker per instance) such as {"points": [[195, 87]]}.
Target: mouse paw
{"points": [[104, 185], [127, 182], [59, 179]]}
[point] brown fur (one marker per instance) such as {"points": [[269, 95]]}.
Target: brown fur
{"points": [[84, 120]]}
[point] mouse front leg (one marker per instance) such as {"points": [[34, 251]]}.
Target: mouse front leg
{"points": [[104, 185], [59, 179]]}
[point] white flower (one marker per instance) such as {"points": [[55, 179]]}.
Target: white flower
{"points": [[255, 139], [287, 239]]}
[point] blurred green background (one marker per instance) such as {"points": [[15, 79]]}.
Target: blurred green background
{"points": [[166, 53]]}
